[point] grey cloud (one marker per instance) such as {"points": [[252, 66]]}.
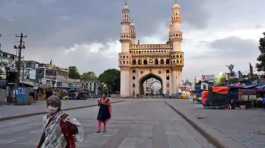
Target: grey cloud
{"points": [[52, 24], [150, 13], [234, 46], [235, 13], [56, 23], [195, 14], [81, 57]]}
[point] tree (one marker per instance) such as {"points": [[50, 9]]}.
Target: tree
{"points": [[240, 75], [220, 79], [251, 72], [261, 58], [111, 78], [231, 70], [1, 71], [1, 74], [73, 73], [88, 76]]}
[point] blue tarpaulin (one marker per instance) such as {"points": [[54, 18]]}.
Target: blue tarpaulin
{"points": [[22, 96]]}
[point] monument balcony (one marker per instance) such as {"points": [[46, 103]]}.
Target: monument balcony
{"points": [[124, 56], [176, 39], [125, 21], [176, 36], [176, 19], [151, 55], [125, 37], [124, 63], [133, 35], [159, 51], [178, 55], [157, 65], [152, 66], [157, 62], [125, 11], [150, 46], [124, 66]]}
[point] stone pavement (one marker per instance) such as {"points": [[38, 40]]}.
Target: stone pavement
{"points": [[7, 111], [234, 128], [134, 124]]}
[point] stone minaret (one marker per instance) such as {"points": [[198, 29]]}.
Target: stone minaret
{"points": [[175, 37], [126, 40], [133, 33], [126, 36]]}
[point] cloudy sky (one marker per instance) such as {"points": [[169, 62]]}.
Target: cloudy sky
{"points": [[85, 33]]}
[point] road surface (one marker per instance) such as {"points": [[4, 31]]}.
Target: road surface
{"points": [[135, 124]]}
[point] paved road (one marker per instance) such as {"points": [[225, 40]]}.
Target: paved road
{"points": [[135, 124], [40, 106], [243, 128]]}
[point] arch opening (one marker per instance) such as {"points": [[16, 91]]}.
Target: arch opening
{"points": [[151, 85]]}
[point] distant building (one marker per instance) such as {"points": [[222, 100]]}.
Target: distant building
{"points": [[37, 74], [92, 86], [208, 78], [74, 83], [52, 76], [187, 85], [29, 72], [203, 82], [7, 60], [152, 87], [47, 75]]}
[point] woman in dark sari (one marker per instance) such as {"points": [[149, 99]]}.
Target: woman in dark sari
{"points": [[104, 113]]}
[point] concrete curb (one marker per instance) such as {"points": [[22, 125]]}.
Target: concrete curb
{"points": [[211, 139], [41, 113]]}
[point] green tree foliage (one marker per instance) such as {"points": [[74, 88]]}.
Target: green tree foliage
{"points": [[1, 71], [73, 72], [220, 79], [111, 78], [1, 74], [261, 58], [88, 76], [231, 70]]}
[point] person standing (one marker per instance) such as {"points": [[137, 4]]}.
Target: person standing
{"points": [[104, 113], [59, 129]]}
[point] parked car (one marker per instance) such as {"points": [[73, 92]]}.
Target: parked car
{"points": [[73, 94], [83, 95]]}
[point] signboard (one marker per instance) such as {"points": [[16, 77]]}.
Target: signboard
{"points": [[22, 95], [208, 78]]}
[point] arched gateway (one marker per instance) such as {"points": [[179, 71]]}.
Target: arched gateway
{"points": [[150, 69], [150, 85]]}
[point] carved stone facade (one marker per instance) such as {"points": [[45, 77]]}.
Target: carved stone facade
{"points": [[139, 62]]}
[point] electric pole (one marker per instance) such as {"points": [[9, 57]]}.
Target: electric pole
{"points": [[20, 46]]}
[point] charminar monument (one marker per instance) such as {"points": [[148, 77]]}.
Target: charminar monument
{"points": [[140, 62]]}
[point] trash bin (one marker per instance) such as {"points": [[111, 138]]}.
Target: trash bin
{"points": [[22, 96]]}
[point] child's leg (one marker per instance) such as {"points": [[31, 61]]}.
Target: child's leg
{"points": [[99, 126], [104, 126]]}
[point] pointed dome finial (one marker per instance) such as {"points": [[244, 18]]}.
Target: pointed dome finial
{"points": [[176, 5], [132, 22], [126, 4]]}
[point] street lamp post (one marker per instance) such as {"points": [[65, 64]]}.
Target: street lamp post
{"points": [[20, 46]]}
